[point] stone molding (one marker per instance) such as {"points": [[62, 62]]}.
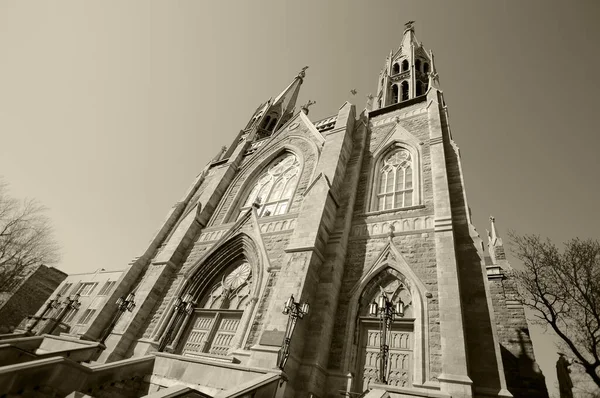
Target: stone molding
{"points": [[402, 115], [413, 225], [436, 140], [443, 224], [266, 226]]}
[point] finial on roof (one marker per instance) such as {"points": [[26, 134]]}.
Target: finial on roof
{"points": [[409, 25], [434, 79], [302, 73], [493, 234], [304, 107], [369, 106], [495, 245]]}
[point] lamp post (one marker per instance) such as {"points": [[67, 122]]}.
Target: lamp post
{"points": [[72, 303], [183, 306], [387, 313], [294, 311], [123, 304], [52, 304]]}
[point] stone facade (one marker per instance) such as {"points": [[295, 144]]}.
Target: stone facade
{"points": [[338, 213]]}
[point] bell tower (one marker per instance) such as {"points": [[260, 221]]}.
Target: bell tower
{"points": [[405, 74]]}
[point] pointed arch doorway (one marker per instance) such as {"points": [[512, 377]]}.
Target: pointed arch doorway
{"points": [[400, 338], [217, 317]]}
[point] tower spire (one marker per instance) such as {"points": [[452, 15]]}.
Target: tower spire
{"points": [[278, 111], [406, 73]]}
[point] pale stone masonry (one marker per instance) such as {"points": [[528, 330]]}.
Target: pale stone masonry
{"points": [[337, 213]]}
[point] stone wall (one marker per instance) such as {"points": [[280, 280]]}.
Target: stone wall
{"points": [[523, 376], [413, 236]]}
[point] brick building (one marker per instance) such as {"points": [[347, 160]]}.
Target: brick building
{"points": [[28, 295], [339, 213], [92, 289]]}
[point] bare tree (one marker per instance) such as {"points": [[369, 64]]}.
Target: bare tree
{"points": [[563, 290], [26, 239]]}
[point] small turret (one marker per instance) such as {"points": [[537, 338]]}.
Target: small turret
{"points": [[495, 245]]}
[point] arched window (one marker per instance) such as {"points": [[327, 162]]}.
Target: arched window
{"points": [[404, 90], [274, 188], [395, 181], [418, 65], [395, 69], [272, 124], [419, 88], [425, 67], [394, 93], [217, 316], [266, 122], [404, 65]]}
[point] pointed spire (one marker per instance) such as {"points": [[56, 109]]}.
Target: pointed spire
{"points": [[407, 72], [434, 80], [409, 38], [276, 112], [494, 234], [285, 103], [290, 93], [495, 245]]}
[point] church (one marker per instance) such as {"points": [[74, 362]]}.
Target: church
{"points": [[308, 259]]}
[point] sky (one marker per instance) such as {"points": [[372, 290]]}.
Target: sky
{"points": [[108, 110]]}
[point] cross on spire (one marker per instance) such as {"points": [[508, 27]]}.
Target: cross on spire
{"points": [[305, 106]]}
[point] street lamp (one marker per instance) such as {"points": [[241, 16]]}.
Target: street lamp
{"points": [[183, 306], [71, 303], [123, 304], [294, 311], [52, 304], [387, 312]]}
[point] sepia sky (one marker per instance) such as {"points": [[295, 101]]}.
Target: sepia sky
{"points": [[108, 110]]}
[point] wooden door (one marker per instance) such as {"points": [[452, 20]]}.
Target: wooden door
{"points": [[211, 332], [399, 369]]}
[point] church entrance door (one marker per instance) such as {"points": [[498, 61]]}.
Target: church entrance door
{"points": [[400, 356], [212, 332]]}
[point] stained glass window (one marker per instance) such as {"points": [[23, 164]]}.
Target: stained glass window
{"points": [[395, 182], [275, 187]]}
